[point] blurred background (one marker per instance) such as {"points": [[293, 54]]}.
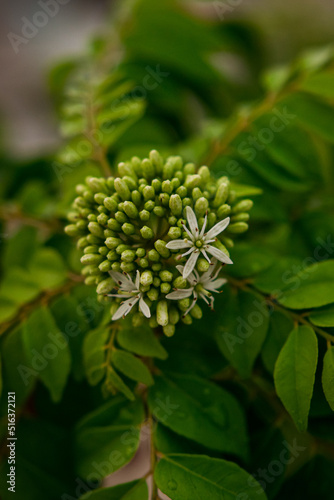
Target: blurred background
{"points": [[28, 124]]}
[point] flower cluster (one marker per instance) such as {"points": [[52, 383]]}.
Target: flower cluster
{"points": [[155, 237]]}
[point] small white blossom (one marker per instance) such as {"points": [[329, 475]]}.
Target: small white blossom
{"points": [[199, 242], [200, 286], [127, 288]]}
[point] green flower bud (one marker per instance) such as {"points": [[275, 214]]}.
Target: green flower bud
{"points": [[172, 220], [175, 183], [242, 217], [140, 252], [180, 282], [130, 182], [113, 242], [196, 193], [153, 294], [110, 183], [128, 267], [80, 188], [102, 209], [112, 255], [128, 228], [156, 267], [149, 205], [91, 258], [137, 320], [153, 322], [116, 266], [237, 227], [90, 270], [82, 242], [156, 184], [91, 249], [182, 191], [128, 255], [81, 225], [72, 230], [168, 170], [218, 244], [164, 199], [102, 219], [144, 215], [204, 172], [162, 313], [122, 189], [126, 169], [174, 315], [192, 181], [148, 169], [232, 197], [165, 287], [196, 312], [146, 233], [103, 251], [108, 233], [90, 280], [201, 206], [121, 217], [174, 233], [105, 286], [183, 304], [202, 265], [99, 198], [156, 281], [156, 160], [121, 248], [175, 204], [114, 225], [153, 255], [131, 210], [166, 275], [228, 242], [80, 202], [159, 211], [242, 206], [110, 204], [148, 193], [160, 247], [212, 218], [143, 262], [169, 330], [146, 278], [167, 187], [94, 240], [136, 197], [223, 211], [187, 320], [221, 195], [97, 185], [189, 169]]}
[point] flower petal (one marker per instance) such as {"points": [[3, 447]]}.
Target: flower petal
{"points": [[125, 308], [180, 294], [190, 264], [143, 307], [219, 254], [217, 228], [215, 285], [204, 226], [192, 221], [137, 283], [178, 244]]}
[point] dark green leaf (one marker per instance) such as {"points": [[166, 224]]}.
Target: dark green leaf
{"points": [[131, 367], [294, 373], [136, 490], [280, 325], [323, 317], [141, 341], [328, 376]]}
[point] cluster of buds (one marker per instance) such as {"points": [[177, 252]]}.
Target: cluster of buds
{"points": [[155, 237]]}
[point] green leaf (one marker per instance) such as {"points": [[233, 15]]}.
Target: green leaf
{"points": [[47, 268], [108, 438], [47, 351], [135, 490], [141, 341], [185, 477], [8, 309], [16, 377], [328, 376], [250, 260], [18, 286], [280, 325], [311, 287], [242, 330], [94, 354], [294, 373], [20, 248], [186, 403], [323, 317], [66, 313], [242, 190], [113, 381], [321, 84], [131, 367], [273, 279]]}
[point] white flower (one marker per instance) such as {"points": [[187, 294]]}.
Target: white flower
{"points": [[127, 288], [200, 242], [200, 286]]}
